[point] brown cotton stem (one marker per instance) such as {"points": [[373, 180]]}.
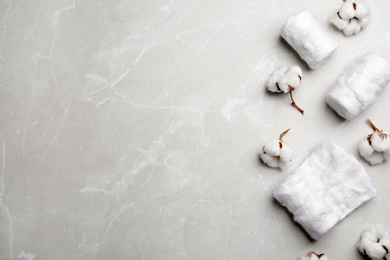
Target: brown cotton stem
{"points": [[283, 134], [293, 102], [376, 129]]}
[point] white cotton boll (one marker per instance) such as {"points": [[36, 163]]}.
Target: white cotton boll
{"points": [[341, 24], [374, 244], [284, 77], [314, 256], [375, 158], [379, 144], [272, 147], [352, 17], [365, 149], [346, 11], [352, 28], [363, 22]]}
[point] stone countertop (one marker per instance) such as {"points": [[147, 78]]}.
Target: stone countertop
{"points": [[132, 129]]}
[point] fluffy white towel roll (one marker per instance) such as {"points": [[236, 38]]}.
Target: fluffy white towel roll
{"points": [[359, 85], [309, 39], [324, 189]]}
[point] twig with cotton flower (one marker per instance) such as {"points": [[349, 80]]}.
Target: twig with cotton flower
{"points": [[277, 153], [286, 80], [375, 148], [375, 244], [314, 256], [352, 17]]}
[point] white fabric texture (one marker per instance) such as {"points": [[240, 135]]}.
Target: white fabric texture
{"points": [[375, 244], [314, 256], [351, 17], [359, 85], [324, 189], [309, 39]]}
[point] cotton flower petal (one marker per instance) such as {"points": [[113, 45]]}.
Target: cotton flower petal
{"points": [[347, 11], [341, 24], [365, 149], [379, 144], [283, 84], [361, 10], [270, 160], [274, 78], [375, 158], [272, 147], [286, 153], [353, 28]]}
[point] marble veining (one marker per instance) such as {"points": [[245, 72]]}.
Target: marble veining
{"points": [[132, 129]]}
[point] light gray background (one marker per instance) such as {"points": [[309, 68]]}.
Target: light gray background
{"points": [[131, 129]]}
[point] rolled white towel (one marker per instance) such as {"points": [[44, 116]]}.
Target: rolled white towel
{"points": [[309, 39], [352, 16], [359, 85], [324, 189], [375, 244], [314, 256]]}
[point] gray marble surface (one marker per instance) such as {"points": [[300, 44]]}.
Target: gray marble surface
{"points": [[132, 129]]}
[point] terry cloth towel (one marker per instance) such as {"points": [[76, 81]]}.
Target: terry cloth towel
{"points": [[359, 85], [324, 189], [309, 39]]}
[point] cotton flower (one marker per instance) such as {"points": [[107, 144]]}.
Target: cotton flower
{"points": [[314, 256], [375, 244], [285, 80], [353, 15], [375, 148], [277, 153]]}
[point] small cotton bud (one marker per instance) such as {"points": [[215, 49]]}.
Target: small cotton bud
{"points": [[277, 153], [376, 147], [285, 80], [351, 17], [374, 244], [314, 256]]}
